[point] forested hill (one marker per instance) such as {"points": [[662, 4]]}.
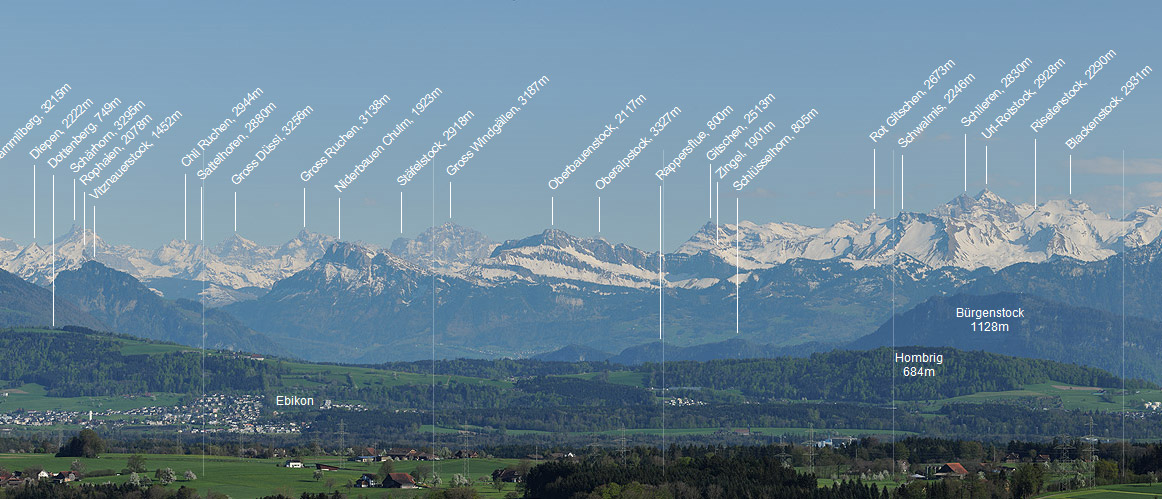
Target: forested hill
{"points": [[80, 362], [867, 376], [856, 376], [76, 362]]}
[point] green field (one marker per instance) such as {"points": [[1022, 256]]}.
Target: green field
{"points": [[32, 397], [239, 477], [1129, 491], [1073, 399]]}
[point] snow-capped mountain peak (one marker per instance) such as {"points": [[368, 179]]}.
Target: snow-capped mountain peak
{"points": [[236, 263], [447, 248], [969, 232]]}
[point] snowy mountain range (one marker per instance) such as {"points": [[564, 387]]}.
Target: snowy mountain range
{"points": [[967, 232], [328, 300], [970, 233], [235, 269]]}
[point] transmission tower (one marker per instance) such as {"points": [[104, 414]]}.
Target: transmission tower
{"points": [[811, 445], [1063, 448], [782, 455], [340, 437]]}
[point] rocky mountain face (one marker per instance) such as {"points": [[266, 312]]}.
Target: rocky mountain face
{"points": [[359, 303], [448, 248], [350, 303]]}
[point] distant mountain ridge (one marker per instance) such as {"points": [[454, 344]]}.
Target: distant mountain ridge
{"points": [[1049, 330], [233, 270], [128, 306], [448, 248], [24, 304], [652, 352], [794, 285], [982, 231], [967, 232]]}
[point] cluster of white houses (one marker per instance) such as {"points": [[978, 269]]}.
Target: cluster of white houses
{"points": [[407, 455], [19, 478]]}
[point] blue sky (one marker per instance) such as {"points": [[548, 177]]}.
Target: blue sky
{"points": [[852, 62]]}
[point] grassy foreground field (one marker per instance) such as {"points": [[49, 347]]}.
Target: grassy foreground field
{"points": [[241, 478], [1129, 491]]}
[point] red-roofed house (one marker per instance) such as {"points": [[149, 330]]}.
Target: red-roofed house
{"points": [[66, 476], [399, 481], [952, 470]]}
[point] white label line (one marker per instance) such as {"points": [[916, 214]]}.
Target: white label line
{"points": [[873, 179], [235, 212], [54, 250], [185, 206], [449, 200], [661, 284], [340, 218], [34, 201], [552, 210], [1071, 174], [598, 213]]}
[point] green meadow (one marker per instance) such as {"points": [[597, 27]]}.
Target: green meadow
{"points": [[242, 478]]}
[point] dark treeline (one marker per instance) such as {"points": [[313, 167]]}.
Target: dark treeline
{"points": [[51, 490], [736, 472], [770, 471]]}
